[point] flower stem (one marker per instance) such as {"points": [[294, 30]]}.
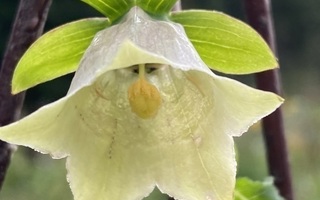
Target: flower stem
{"points": [[259, 17], [27, 27]]}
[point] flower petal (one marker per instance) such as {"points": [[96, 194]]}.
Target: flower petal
{"points": [[127, 156], [168, 44], [241, 106], [42, 130], [200, 167]]}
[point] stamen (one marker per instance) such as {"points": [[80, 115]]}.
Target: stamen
{"points": [[144, 98], [141, 71]]}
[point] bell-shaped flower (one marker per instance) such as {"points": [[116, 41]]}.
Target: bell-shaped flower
{"points": [[144, 111]]}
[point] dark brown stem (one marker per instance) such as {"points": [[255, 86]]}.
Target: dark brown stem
{"points": [[27, 27], [260, 18]]}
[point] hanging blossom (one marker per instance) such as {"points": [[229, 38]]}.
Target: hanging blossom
{"points": [[144, 111]]}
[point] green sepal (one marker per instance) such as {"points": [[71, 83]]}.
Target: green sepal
{"points": [[114, 9], [224, 43], [247, 189], [156, 7], [56, 53]]}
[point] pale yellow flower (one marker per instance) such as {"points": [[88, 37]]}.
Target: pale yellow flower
{"points": [[143, 110]]}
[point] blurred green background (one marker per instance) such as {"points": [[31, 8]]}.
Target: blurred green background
{"points": [[33, 176]]}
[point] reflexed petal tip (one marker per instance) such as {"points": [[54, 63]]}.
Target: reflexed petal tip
{"points": [[241, 106], [42, 129], [185, 148]]}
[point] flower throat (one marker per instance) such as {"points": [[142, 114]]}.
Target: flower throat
{"points": [[144, 98]]}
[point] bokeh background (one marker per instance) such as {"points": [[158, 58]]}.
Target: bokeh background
{"points": [[33, 176]]}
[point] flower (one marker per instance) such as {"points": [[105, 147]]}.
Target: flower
{"points": [[143, 110]]}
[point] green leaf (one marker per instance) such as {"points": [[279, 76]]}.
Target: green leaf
{"points": [[247, 189], [224, 43], [56, 53], [114, 9]]}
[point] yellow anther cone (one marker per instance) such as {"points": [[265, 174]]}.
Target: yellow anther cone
{"points": [[144, 99]]}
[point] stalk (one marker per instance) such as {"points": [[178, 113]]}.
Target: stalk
{"points": [[260, 18], [27, 27]]}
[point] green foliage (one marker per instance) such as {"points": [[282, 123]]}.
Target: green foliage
{"points": [[247, 189], [156, 195], [56, 53], [226, 44], [114, 9]]}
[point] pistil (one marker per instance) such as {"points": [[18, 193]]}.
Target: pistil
{"points": [[144, 98]]}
